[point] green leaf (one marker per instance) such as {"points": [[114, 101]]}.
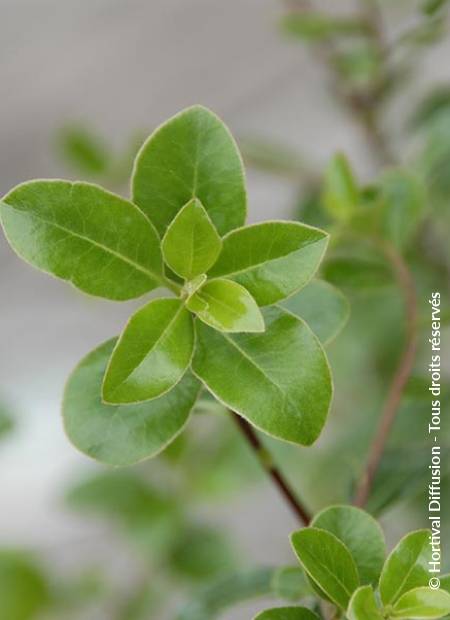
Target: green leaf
{"points": [[226, 306], [121, 434], [191, 244], [328, 562], [422, 603], [400, 565], [362, 536], [358, 274], [152, 354], [403, 200], [81, 233], [192, 155], [287, 613], [290, 583], [363, 605], [273, 259], [340, 193], [24, 591], [6, 421], [430, 7], [201, 553], [83, 150], [279, 380], [226, 592], [322, 306], [313, 26]]}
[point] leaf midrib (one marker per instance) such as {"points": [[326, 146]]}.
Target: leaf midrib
{"points": [[332, 575], [105, 248]]}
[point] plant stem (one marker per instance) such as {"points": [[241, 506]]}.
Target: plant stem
{"points": [[267, 464], [401, 376]]}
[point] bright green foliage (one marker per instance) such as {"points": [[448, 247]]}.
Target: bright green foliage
{"points": [[278, 380], [340, 192], [152, 354], [76, 231], [123, 434], [227, 306], [24, 591], [398, 570], [403, 205], [362, 536], [328, 562], [192, 155], [290, 583], [272, 260], [287, 613], [422, 603], [127, 402], [322, 306], [191, 244], [363, 605]]}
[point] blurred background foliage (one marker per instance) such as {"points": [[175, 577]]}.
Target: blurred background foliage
{"points": [[159, 508]]}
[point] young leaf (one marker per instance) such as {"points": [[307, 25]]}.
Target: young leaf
{"points": [[279, 380], [191, 244], [422, 603], [121, 434], [400, 565], [340, 193], [363, 605], [273, 259], [226, 306], [322, 306], [361, 534], [287, 613], [81, 233], [152, 354], [328, 562], [403, 204], [192, 155]]}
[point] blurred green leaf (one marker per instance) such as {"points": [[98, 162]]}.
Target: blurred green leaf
{"points": [[431, 7], [201, 553], [83, 150], [357, 273], [24, 591], [340, 193], [403, 203], [6, 421], [312, 26], [431, 107], [272, 156], [208, 603], [322, 306], [291, 584]]}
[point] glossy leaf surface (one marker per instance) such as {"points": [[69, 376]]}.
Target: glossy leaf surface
{"points": [[287, 613], [227, 306], [322, 306], [121, 434], [278, 380], [272, 260], [361, 534], [192, 155], [79, 232], [400, 565], [422, 603], [363, 605], [328, 562], [152, 354], [191, 244]]}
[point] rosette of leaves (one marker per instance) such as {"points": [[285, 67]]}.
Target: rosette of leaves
{"points": [[343, 555], [221, 324]]}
